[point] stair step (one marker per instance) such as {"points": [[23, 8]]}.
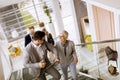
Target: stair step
{"points": [[26, 76]]}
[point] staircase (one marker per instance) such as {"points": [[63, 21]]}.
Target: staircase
{"points": [[23, 75]]}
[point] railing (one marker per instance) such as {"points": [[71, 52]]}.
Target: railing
{"points": [[99, 42], [92, 64], [96, 61], [87, 60]]}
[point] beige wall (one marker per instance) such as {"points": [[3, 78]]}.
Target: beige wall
{"points": [[104, 25]]}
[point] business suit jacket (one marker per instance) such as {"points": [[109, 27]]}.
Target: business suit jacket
{"points": [[70, 52], [27, 39], [32, 59], [50, 39]]}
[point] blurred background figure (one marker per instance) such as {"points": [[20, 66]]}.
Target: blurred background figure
{"points": [[49, 37], [40, 27], [50, 40], [28, 37]]}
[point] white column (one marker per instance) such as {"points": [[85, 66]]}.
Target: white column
{"points": [[92, 25], [91, 22], [94, 37], [58, 17], [117, 32], [92, 31], [1, 69], [5, 66], [77, 34], [51, 29]]}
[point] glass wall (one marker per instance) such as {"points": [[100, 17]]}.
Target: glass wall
{"points": [[102, 62]]}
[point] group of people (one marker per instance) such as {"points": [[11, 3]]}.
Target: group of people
{"points": [[37, 45]]}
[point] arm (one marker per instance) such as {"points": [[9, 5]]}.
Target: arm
{"points": [[74, 53], [28, 63], [53, 49]]}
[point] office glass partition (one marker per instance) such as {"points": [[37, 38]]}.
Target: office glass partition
{"points": [[87, 62], [108, 60], [103, 62]]}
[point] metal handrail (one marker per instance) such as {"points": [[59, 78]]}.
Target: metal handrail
{"points": [[97, 58], [99, 42]]}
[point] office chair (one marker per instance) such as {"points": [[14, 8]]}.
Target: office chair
{"points": [[111, 54]]}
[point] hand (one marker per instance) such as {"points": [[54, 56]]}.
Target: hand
{"points": [[42, 64], [57, 61], [75, 60]]}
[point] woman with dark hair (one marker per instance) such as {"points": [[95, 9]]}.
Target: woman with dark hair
{"points": [[48, 36]]}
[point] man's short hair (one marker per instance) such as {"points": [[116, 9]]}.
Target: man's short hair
{"points": [[38, 35]]}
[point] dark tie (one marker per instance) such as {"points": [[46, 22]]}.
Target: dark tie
{"points": [[65, 49]]}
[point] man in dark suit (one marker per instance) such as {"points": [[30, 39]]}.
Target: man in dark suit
{"points": [[28, 37]]}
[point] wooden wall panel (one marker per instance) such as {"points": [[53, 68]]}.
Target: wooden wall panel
{"points": [[104, 25]]}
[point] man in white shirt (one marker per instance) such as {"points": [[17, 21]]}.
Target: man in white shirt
{"points": [[36, 57]]}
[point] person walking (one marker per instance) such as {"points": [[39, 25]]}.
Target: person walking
{"points": [[67, 55], [49, 37], [36, 58], [28, 37]]}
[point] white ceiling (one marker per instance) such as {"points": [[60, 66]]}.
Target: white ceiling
{"points": [[4, 3], [110, 3]]}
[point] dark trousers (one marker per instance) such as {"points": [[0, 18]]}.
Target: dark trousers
{"points": [[51, 71]]}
